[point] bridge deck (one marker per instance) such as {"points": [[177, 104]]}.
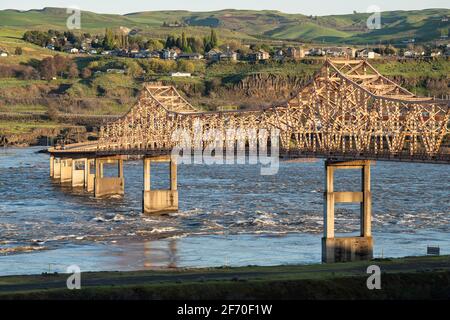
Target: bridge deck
{"points": [[348, 110]]}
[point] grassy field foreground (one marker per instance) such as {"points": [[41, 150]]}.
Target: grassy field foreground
{"points": [[406, 278]]}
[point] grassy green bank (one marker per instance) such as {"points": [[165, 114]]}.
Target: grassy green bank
{"points": [[405, 278]]}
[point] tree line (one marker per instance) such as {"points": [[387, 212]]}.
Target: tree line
{"points": [[112, 40], [192, 44]]}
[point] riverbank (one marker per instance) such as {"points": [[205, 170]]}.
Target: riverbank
{"points": [[425, 277]]}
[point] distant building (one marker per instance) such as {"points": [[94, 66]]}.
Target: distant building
{"points": [[279, 55], [50, 47], [180, 74], [140, 54], [115, 71], [3, 54], [447, 51], [169, 54], [154, 54], [213, 55], [340, 52], [367, 54], [190, 56], [74, 50], [316, 52], [435, 54], [228, 55], [259, 55], [295, 53]]}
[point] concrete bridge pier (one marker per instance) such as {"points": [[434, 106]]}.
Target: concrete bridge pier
{"points": [[66, 170], [347, 248], [79, 167], [52, 166], [55, 168], [105, 186], [89, 176], [160, 201]]}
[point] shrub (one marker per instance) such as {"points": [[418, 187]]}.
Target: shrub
{"points": [[86, 73]]}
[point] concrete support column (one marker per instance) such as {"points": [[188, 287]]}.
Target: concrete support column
{"points": [[106, 186], [52, 167], [328, 210], [78, 172], [99, 169], [57, 168], [90, 181], [366, 205], [159, 201], [347, 248], [120, 168], [86, 172], [147, 184], [66, 171], [173, 175]]}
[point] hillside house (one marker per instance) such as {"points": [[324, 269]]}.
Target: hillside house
{"points": [[140, 54], [295, 53], [279, 55], [180, 74], [190, 56], [119, 71], [228, 55], [367, 54], [259, 55], [154, 54], [343, 52], [169, 54], [213, 55], [316, 52]]}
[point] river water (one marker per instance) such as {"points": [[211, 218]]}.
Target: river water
{"points": [[229, 215]]}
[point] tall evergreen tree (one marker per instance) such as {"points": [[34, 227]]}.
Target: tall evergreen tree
{"points": [[213, 38], [184, 45], [109, 41]]}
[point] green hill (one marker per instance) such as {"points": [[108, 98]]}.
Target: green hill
{"points": [[422, 25]]}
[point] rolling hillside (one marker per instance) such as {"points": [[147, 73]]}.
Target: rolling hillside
{"points": [[423, 25]]}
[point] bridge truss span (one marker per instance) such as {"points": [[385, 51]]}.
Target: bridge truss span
{"points": [[348, 110]]}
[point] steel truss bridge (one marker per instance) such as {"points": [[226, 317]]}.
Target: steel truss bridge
{"points": [[348, 110]]}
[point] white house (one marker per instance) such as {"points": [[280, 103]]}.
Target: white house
{"points": [[169, 54], [365, 53], [180, 74], [115, 71], [3, 54]]}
